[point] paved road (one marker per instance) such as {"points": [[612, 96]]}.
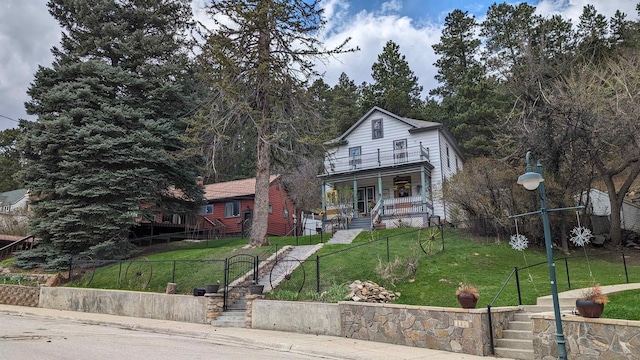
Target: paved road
{"points": [[28, 338], [163, 339]]}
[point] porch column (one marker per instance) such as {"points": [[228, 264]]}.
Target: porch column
{"points": [[355, 196], [423, 189], [381, 209]]}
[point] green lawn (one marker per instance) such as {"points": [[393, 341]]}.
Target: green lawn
{"points": [[486, 264]]}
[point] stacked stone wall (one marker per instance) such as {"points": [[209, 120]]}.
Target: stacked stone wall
{"points": [[19, 295], [587, 338], [450, 329]]}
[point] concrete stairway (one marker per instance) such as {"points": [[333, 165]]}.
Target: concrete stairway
{"points": [[235, 314], [517, 340], [300, 253], [233, 317]]}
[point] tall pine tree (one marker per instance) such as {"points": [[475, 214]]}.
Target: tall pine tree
{"points": [[111, 111], [258, 59], [395, 87]]}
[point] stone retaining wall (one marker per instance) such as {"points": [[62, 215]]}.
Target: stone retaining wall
{"points": [[587, 338], [451, 329], [19, 295]]}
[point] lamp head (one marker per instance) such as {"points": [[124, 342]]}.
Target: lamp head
{"points": [[530, 180]]}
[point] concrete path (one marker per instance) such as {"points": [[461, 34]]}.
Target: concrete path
{"points": [[318, 346], [289, 263], [344, 236], [568, 298]]}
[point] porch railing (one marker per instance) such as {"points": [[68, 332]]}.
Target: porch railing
{"points": [[403, 205], [375, 212], [380, 158]]}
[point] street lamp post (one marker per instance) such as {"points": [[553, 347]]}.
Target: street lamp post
{"points": [[532, 180]]}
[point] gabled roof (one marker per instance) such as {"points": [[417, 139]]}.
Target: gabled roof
{"points": [[231, 189], [420, 125], [12, 197]]}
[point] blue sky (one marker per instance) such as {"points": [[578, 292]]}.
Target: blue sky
{"points": [[426, 10], [27, 33]]}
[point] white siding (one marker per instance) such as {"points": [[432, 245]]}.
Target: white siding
{"points": [[629, 213], [434, 141], [393, 129]]}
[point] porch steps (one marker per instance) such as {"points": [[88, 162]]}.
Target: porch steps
{"points": [[363, 223]]}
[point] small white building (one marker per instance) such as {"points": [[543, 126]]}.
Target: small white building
{"points": [[599, 205], [14, 200], [392, 168]]}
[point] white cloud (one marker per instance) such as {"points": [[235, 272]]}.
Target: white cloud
{"points": [[370, 30]]}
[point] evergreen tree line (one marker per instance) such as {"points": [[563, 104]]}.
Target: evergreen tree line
{"points": [[128, 116]]}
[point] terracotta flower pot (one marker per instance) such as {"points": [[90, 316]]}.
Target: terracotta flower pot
{"points": [[467, 301], [589, 308]]}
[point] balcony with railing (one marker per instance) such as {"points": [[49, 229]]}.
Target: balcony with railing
{"points": [[380, 158]]}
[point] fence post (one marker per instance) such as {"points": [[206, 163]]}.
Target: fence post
{"points": [[566, 266], [493, 351], [518, 285], [318, 274], [624, 261], [173, 275], [71, 269], [388, 255], [119, 273], [255, 269]]}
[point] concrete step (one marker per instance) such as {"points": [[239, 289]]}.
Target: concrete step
{"points": [[517, 334], [517, 344], [230, 318], [240, 304], [547, 308], [519, 354], [522, 317], [520, 325], [564, 302]]}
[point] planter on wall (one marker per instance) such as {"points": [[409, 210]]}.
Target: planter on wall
{"points": [[589, 308], [256, 289], [212, 288], [467, 301]]}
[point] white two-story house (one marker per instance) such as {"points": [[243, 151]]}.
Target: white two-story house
{"points": [[389, 170]]}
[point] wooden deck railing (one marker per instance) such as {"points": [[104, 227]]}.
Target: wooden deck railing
{"points": [[26, 243]]}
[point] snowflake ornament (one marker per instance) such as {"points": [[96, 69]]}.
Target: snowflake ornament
{"points": [[519, 242], [580, 236]]}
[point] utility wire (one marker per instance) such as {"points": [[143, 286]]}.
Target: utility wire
{"points": [[6, 117]]}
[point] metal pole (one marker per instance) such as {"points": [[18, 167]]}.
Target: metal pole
{"points": [[562, 352]]}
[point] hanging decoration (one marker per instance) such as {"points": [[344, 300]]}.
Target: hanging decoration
{"points": [[580, 237], [518, 242]]}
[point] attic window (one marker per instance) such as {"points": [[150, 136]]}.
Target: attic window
{"points": [[376, 129]]}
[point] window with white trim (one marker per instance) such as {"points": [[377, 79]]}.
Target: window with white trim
{"points": [[232, 209], [376, 129]]}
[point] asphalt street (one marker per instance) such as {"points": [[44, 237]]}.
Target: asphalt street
{"points": [[28, 338]]}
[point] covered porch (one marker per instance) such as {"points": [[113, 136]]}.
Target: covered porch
{"points": [[385, 196]]}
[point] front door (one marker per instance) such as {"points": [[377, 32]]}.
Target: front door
{"points": [[366, 199]]}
